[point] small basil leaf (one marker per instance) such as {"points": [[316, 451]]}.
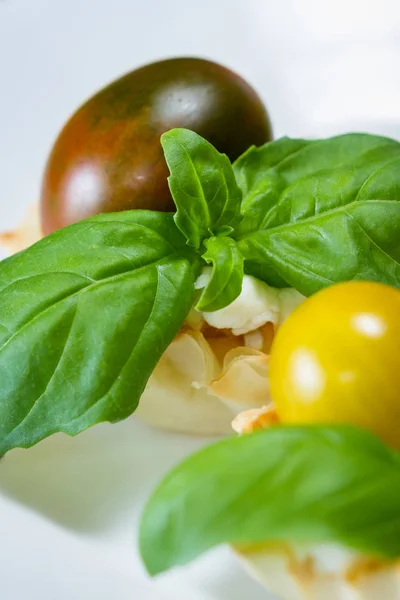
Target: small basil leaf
{"points": [[296, 484], [83, 316], [226, 280], [310, 236], [202, 184], [224, 230]]}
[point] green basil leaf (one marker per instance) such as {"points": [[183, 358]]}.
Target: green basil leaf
{"points": [[256, 175], [266, 272], [83, 324], [202, 184], [330, 225], [297, 484], [265, 173], [226, 280], [357, 242]]}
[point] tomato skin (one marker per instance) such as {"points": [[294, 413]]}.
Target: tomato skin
{"points": [[108, 157], [337, 360]]}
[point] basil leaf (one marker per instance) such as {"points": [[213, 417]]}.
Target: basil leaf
{"points": [[202, 184], [332, 225], [265, 173], [260, 184], [226, 280], [83, 324], [296, 484], [360, 241]]}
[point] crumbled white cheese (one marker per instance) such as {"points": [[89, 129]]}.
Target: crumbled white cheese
{"points": [[257, 304]]}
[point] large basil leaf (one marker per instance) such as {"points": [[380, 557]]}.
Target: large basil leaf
{"points": [[226, 279], [327, 212], [203, 186], [304, 484], [360, 241], [83, 323], [256, 175], [265, 173]]}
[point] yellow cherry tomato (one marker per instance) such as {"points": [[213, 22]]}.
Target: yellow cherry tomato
{"points": [[336, 359]]}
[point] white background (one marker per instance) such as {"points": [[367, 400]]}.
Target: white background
{"points": [[69, 507]]}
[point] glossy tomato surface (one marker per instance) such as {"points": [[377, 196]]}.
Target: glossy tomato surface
{"points": [[337, 359], [108, 157]]}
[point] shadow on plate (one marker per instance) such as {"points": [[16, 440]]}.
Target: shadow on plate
{"points": [[92, 482]]}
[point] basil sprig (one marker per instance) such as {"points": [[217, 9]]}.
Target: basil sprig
{"points": [[295, 484], [86, 313]]}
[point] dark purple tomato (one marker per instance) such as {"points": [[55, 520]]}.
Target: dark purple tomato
{"points": [[108, 157]]}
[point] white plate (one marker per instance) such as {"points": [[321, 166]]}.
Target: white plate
{"points": [[69, 508], [69, 512]]}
